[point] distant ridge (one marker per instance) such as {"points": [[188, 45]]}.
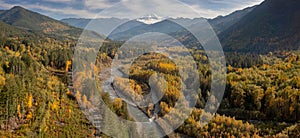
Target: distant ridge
{"points": [[167, 25], [103, 25], [219, 24]]}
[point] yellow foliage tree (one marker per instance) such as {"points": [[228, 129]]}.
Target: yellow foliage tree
{"points": [[7, 64], [19, 111], [166, 67], [2, 81], [29, 101], [118, 103], [55, 105], [240, 70], [68, 65], [164, 108], [29, 115], [78, 96], [230, 68], [6, 48]]}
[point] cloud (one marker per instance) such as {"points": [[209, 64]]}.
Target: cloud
{"points": [[173, 8], [236, 4], [58, 1], [5, 5], [99, 4], [208, 13], [131, 8], [213, 8], [67, 11], [135, 8]]}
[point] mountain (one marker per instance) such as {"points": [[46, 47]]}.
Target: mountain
{"points": [[186, 21], [22, 18], [165, 26], [77, 22], [7, 30], [129, 28], [271, 26], [1, 11], [169, 26], [150, 19], [106, 24], [153, 23], [221, 23]]}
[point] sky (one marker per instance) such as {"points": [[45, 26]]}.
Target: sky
{"points": [[60, 9]]}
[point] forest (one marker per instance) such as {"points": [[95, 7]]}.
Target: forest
{"points": [[48, 91], [261, 97]]}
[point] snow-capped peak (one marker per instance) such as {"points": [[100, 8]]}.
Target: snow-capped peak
{"points": [[150, 19]]}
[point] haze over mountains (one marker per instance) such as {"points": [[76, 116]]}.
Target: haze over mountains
{"points": [[153, 23], [103, 25], [273, 25], [270, 26]]}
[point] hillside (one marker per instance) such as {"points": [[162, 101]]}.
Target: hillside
{"points": [[271, 26], [35, 100], [23, 18], [6, 30], [34, 22], [221, 23], [1, 11]]}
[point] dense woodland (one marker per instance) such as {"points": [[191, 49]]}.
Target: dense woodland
{"points": [[261, 97], [37, 97]]}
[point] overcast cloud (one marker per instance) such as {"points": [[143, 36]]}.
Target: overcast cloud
{"points": [[130, 8]]}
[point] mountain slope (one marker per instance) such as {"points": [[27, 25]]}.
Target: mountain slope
{"points": [[221, 23], [273, 25], [23, 18], [28, 20], [1, 11], [7, 30]]}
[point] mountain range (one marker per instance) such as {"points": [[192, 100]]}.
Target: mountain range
{"points": [[153, 23], [271, 26]]}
